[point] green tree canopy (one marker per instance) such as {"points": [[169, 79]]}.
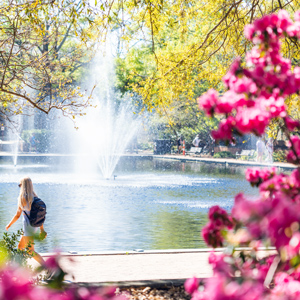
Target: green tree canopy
{"points": [[44, 45], [175, 46]]}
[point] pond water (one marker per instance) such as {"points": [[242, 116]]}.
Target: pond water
{"points": [[151, 204]]}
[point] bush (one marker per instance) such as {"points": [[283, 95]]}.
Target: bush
{"points": [[279, 156], [9, 249], [224, 154], [145, 146]]}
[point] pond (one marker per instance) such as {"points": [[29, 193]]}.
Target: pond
{"points": [[151, 204]]}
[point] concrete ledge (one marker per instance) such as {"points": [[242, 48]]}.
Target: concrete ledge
{"points": [[226, 161], [139, 252], [133, 252], [157, 268]]}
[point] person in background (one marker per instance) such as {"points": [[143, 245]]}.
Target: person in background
{"points": [[196, 141], [179, 144], [270, 149], [33, 142], [260, 148], [24, 205]]}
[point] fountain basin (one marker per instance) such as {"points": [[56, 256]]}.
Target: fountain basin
{"points": [[151, 204]]}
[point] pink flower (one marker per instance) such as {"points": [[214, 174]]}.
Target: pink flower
{"points": [[219, 263], [293, 248], [294, 154], [249, 31], [225, 129], [218, 220], [219, 217], [276, 107], [283, 214], [208, 101], [199, 296], [258, 72], [285, 287], [191, 285], [212, 235], [14, 283], [256, 94], [234, 70], [229, 101], [244, 85], [262, 23], [291, 125], [252, 119], [283, 20], [297, 16], [252, 214], [256, 176], [52, 262]]}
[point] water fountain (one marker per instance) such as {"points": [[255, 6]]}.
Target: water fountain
{"points": [[107, 128], [14, 137], [15, 150], [120, 128]]}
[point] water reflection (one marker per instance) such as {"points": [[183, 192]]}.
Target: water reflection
{"points": [[152, 204], [177, 229]]}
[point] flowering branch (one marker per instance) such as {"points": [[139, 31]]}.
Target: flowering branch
{"points": [[256, 95]]}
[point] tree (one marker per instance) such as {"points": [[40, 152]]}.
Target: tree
{"points": [[182, 118], [185, 43], [44, 45]]}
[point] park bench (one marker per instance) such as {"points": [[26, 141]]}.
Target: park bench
{"points": [[249, 154], [194, 150]]}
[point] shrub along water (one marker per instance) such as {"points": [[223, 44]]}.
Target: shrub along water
{"points": [[224, 154], [9, 250]]}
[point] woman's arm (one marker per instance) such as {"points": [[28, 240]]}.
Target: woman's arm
{"points": [[15, 218]]}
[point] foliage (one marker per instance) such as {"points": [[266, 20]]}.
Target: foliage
{"points": [[279, 155], [182, 119], [175, 47], [176, 50], [44, 45], [256, 95], [9, 250], [224, 154], [244, 157], [17, 283], [145, 146]]}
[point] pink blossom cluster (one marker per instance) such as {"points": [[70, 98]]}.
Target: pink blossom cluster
{"points": [[233, 279], [291, 124], [255, 96], [294, 153], [256, 93], [218, 221], [231, 288], [243, 279], [256, 175], [274, 217], [15, 284]]}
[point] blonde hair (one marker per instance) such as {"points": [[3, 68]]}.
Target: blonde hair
{"points": [[26, 193]]}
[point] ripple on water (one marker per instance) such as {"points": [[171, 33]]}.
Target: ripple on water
{"points": [[147, 209]]}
